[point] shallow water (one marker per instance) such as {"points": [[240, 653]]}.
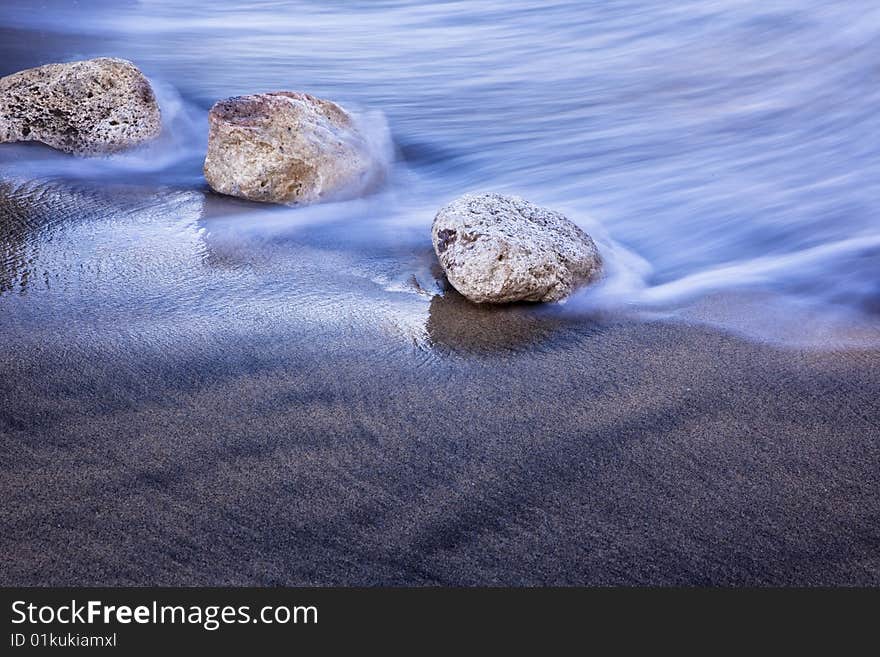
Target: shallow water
{"points": [[723, 153]]}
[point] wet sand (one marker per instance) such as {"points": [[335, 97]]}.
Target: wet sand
{"points": [[341, 434]]}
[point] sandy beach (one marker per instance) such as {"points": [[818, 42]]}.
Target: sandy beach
{"points": [[364, 437]]}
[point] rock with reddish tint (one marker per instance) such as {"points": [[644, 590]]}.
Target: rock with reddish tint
{"points": [[290, 148], [501, 249], [91, 107]]}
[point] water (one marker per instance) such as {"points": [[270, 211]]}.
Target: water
{"points": [[723, 153]]}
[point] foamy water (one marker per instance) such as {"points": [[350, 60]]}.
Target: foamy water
{"points": [[721, 147]]}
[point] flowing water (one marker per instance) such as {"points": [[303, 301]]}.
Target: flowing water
{"points": [[723, 153]]}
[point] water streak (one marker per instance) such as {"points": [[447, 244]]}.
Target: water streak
{"points": [[711, 147]]}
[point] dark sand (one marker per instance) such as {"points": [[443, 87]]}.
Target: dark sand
{"points": [[142, 445]]}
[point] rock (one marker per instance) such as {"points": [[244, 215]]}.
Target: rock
{"points": [[500, 249], [90, 107], [286, 147]]}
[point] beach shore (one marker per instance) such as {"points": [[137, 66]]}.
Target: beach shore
{"points": [[373, 437]]}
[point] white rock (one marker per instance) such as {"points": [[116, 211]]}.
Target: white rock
{"points": [[287, 147], [90, 107], [500, 249]]}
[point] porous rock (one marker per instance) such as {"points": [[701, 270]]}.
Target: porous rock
{"points": [[501, 249], [288, 147], [88, 107]]}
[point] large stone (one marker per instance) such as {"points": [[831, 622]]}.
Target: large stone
{"points": [[90, 107], [286, 147], [500, 249]]}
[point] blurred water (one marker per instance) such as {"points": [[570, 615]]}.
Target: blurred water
{"points": [[711, 146]]}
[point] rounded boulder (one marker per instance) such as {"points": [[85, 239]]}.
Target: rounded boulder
{"points": [[90, 107], [501, 249], [287, 147]]}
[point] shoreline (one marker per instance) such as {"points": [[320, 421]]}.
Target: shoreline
{"points": [[706, 461], [310, 437]]}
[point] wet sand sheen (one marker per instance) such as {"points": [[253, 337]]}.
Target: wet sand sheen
{"points": [[264, 416]]}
